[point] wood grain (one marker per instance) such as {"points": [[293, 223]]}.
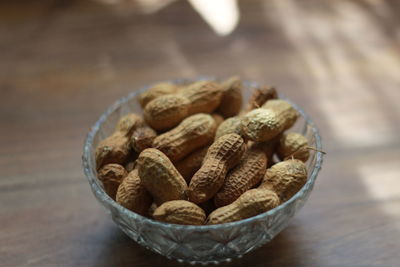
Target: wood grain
{"points": [[63, 62]]}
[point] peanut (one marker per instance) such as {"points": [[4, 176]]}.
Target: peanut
{"points": [[260, 96], [113, 149], [160, 177], [249, 204], [157, 90], [218, 118], [165, 112], [285, 178], [142, 138], [230, 125], [132, 195], [180, 212], [248, 173], [111, 175], [293, 145], [222, 156], [269, 148], [286, 113], [260, 125], [191, 163], [192, 133], [129, 123], [232, 98]]}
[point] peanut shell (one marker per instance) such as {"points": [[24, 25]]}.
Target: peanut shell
{"points": [[260, 96], [113, 149], [293, 145], [232, 98], [180, 212], [188, 166], [157, 90], [111, 175]]}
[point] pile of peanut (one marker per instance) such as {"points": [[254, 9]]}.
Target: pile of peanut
{"points": [[196, 157]]}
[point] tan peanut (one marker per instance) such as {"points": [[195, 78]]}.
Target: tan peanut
{"points": [[248, 173], [165, 112], [249, 204], [222, 156], [260, 125], [180, 212], [142, 138], [116, 148], [232, 98], [133, 195], [218, 118], [193, 132], [285, 178], [293, 145], [113, 149], [286, 113], [269, 148], [160, 177], [159, 89], [191, 163], [261, 95], [111, 175], [230, 125]]}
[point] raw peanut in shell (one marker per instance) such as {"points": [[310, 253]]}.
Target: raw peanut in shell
{"points": [[232, 98], [249, 204], [151, 210], [132, 195], [286, 113], [285, 178], [157, 90], [222, 156], [293, 145], [113, 149], [111, 175], [188, 166], [260, 125], [260, 96], [230, 125], [248, 173], [218, 118], [269, 148], [204, 96], [160, 177], [165, 112], [142, 138], [129, 123], [180, 212], [192, 133]]}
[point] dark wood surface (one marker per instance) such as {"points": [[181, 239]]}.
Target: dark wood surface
{"points": [[63, 62]]}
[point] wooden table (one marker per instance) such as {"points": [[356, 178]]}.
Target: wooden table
{"points": [[63, 62]]}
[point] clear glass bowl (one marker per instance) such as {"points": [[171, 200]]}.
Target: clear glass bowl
{"points": [[198, 244]]}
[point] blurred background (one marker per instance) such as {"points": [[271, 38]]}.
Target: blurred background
{"points": [[62, 62]]}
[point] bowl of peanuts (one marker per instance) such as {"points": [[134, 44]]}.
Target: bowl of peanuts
{"points": [[205, 170]]}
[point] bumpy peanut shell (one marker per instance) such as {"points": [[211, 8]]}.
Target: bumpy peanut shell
{"points": [[260, 125], [293, 145], [180, 212], [157, 90], [165, 112], [218, 118], [203, 96], [269, 148], [142, 138], [160, 177], [249, 204], [230, 125], [260, 96], [113, 149], [192, 133], [188, 166], [129, 123], [285, 178], [248, 173], [222, 156], [132, 195], [286, 113], [232, 98], [111, 175]]}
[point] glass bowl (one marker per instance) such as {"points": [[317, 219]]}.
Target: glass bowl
{"points": [[198, 244]]}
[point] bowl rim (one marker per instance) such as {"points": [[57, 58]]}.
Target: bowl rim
{"points": [[99, 191]]}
